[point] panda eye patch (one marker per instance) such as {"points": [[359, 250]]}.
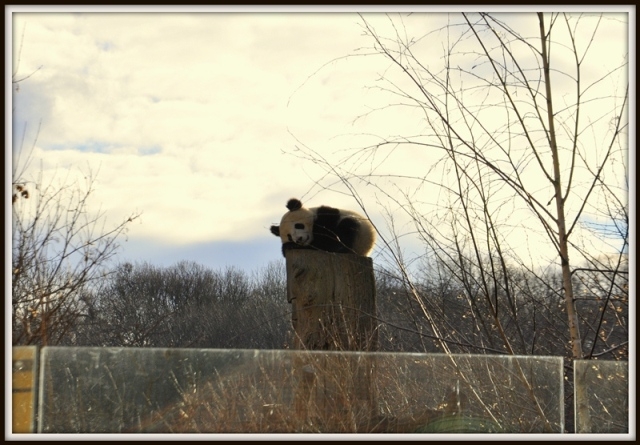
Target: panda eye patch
{"points": [[299, 226]]}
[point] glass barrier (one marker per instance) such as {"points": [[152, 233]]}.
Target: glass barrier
{"points": [[126, 390], [601, 396]]}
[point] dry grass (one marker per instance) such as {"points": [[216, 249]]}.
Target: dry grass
{"points": [[259, 391], [339, 393]]}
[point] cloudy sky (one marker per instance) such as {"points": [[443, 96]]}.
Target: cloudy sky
{"points": [[192, 119]]}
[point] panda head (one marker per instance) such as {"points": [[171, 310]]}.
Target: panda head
{"points": [[296, 225]]}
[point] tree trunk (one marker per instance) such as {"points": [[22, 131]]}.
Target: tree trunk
{"points": [[563, 242], [580, 399], [333, 299]]}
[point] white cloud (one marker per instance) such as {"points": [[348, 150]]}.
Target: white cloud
{"points": [[186, 115], [206, 92]]}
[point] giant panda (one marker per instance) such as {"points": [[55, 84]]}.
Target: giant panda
{"points": [[324, 228]]}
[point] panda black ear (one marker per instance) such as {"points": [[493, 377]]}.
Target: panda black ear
{"points": [[275, 230], [294, 204]]}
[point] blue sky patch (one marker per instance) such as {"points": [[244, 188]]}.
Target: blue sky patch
{"points": [[147, 151], [87, 147], [105, 45], [246, 255]]}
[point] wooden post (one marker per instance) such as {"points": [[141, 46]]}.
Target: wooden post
{"points": [[24, 380], [333, 299]]}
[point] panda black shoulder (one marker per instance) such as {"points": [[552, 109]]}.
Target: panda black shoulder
{"points": [[327, 216]]}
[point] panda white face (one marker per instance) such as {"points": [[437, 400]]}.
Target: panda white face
{"points": [[297, 227]]}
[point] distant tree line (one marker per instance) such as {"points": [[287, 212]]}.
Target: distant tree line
{"points": [[440, 311], [187, 306], [190, 306]]}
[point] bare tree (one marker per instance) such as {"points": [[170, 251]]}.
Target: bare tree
{"points": [[522, 122], [188, 305], [59, 250], [519, 146]]}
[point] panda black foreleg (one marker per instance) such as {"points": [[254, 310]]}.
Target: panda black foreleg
{"points": [[337, 238], [347, 231], [325, 226]]}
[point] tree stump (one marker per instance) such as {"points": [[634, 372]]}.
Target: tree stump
{"points": [[333, 299]]}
